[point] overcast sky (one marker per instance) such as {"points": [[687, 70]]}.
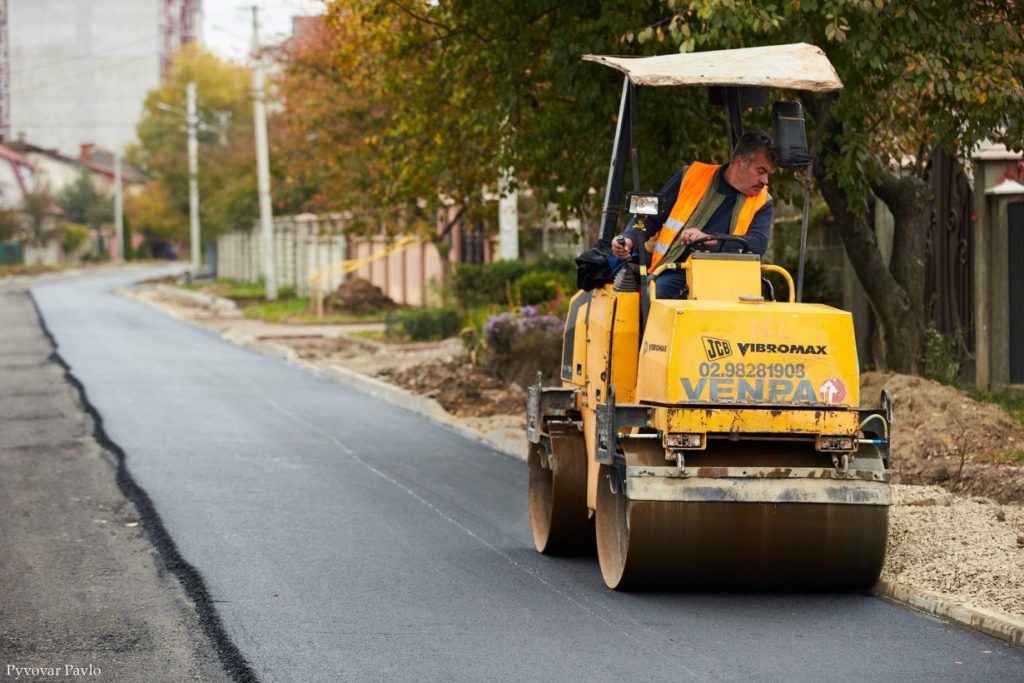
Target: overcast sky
{"points": [[227, 24]]}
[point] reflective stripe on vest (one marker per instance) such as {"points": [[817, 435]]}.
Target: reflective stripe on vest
{"points": [[695, 184]]}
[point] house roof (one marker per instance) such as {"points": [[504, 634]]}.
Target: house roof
{"points": [[22, 176], [102, 161], [797, 66], [14, 157], [98, 161]]}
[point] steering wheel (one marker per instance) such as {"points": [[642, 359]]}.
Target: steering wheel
{"points": [[721, 239]]}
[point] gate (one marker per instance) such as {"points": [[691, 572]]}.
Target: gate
{"points": [[11, 255], [1015, 225], [949, 251], [472, 246]]}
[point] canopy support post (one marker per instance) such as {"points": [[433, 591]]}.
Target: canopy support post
{"points": [[733, 117], [617, 168]]}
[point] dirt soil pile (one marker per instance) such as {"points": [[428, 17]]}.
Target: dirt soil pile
{"points": [[942, 436], [461, 388], [438, 370], [970, 548], [358, 297]]}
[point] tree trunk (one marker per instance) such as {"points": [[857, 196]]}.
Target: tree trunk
{"points": [[895, 293], [444, 249], [909, 200]]}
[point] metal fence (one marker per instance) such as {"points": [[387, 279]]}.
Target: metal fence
{"points": [[305, 245]]}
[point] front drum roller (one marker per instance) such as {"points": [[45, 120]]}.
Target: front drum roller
{"points": [[699, 545], [558, 494]]}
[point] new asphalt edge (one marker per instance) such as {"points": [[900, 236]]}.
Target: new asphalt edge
{"points": [[230, 656], [995, 624]]}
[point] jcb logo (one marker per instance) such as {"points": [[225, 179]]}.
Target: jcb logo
{"points": [[716, 348]]}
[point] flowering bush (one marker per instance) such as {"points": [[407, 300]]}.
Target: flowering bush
{"points": [[521, 343]]}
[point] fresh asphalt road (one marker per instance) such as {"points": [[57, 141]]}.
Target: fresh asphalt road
{"points": [[343, 538]]}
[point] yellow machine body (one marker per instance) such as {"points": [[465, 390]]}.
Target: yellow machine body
{"points": [[724, 413]]}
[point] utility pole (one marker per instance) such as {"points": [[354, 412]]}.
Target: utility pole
{"points": [[508, 218], [192, 121], [262, 163], [118, 206]]}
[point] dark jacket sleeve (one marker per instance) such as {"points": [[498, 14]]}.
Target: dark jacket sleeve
{"points": [[653, 224], [760, 230]]}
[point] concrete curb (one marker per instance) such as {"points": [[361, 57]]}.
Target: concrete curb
{"points": [[996, 624], [215, 302]]}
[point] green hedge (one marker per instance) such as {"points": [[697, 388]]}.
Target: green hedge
{"points": [[490, 283], [422, 324]]}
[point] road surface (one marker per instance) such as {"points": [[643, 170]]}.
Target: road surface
{"points": [[343, 538], [82, 587]]}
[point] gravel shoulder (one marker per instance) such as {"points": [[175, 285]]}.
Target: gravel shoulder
{"points": [[967, 546], [84, 590]]}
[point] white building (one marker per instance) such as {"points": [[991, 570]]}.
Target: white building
{"points": [[16, 178], [77, 71]]}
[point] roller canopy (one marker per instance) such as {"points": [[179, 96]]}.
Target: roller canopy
{"points": [[791, 67]]}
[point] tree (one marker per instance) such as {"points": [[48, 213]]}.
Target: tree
{"points": [[342, 140], [919, 76], [41, 216], [947, 75], [151, 208], [328, 141], [425, 104], [448, 94], [82, 203], [227, 171], [10, 223], [551, 115]]}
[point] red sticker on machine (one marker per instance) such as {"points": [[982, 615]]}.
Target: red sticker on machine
{"points": [[832, 391]]}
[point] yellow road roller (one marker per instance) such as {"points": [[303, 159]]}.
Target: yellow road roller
{"points": [[714, 441]]}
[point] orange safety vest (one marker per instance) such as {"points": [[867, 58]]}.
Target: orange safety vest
{"points": [[695, 183]]}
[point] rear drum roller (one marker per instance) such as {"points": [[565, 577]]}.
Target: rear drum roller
{"points": [[699, 545], [558, 494]]}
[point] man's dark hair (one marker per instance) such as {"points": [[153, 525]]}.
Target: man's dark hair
{"points": [[755, 141]]}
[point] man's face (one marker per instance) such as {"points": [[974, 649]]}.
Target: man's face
{"points": [[750, 175]]}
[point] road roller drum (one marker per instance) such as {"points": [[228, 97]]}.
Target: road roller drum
{"points": [[738, 545], [558, 493]]}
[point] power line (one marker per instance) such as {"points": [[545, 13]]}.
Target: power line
{"points": [[37, 67], [51, 84], [226, 32], [78, 125]]}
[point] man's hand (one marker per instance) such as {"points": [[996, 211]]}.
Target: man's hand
{"points": [[622, 247], [690, 234]]}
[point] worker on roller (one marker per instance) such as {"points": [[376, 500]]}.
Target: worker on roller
{"points": [[706, 199]]}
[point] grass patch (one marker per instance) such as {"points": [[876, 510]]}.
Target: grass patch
{"points": [[232, 289], [1016, 456], [374, 335], [1009, 400], [283, 310], [257, 291], [36, 269], [298, 310]]}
